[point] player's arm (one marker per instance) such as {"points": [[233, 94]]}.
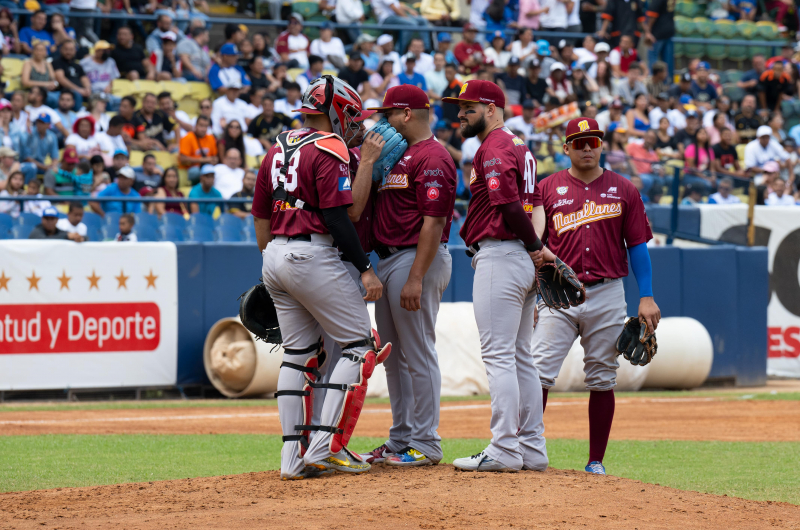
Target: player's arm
{"points": [[370, 153], [263, 232], [344, 233], [428, 245], [539, 220], [643, 271]]}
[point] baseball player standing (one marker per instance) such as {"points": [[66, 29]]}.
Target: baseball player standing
{"points": [[592, 214], [300, 208], [501, 238], [413, 212]]}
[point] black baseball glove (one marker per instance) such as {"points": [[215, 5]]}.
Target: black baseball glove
{"points": [[257, 313], [559, 286], [636, 344]]}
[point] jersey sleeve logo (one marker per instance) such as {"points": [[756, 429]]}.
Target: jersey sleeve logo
{"points": [[433, 194], [344, 183], [584, 125], [493, 183], [517, 141], [562, 190]]}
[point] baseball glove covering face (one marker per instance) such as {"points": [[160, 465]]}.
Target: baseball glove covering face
{"points": [[636, 344], [559, 286], [392, 150], [257, 313]]}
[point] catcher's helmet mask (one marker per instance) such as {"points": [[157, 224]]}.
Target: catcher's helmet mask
{"points": [[344, 112]]}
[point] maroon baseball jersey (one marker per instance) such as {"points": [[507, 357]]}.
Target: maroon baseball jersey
{"points": [[589, 226], [364, 224], [422, 183], [503, 171], [314, 176]]}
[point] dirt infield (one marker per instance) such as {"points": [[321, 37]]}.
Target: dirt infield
{"points": [[698, 418], [427, 498]]}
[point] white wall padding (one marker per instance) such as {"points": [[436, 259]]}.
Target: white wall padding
{"points": [[685, 354], [237, 364]]}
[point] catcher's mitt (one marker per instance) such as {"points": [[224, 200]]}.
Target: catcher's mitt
{"points": [[559, 286], [636, 344], [392, 150], [257, 313]]}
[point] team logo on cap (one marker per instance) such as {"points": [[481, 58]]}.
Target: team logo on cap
{"points": [[583, 126], [562, 190], [463, 89]]}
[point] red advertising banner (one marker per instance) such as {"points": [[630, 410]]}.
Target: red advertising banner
{"points": [[86, 328], [783, 342]]}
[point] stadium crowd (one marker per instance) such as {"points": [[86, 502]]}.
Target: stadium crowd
{"points": [[66, 128]]}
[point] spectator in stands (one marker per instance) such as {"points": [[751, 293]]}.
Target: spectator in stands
{"points": [[82, 138], [717, 126], [658, 82], [198, 148], [742, 10], [774, 86], [60, 179], [164, 26], [615, 142], [60, 31], [365, 45], [496, 51], [8, 28], [232, 138], [70, 75], [14, 187], [205, 190], [36, 106], [292, 45], [687, 135], [242, 211], [149, 175], [40, 144], [229, 174], [779, 195], [584, 87], [628, 89], [444, 39], [535, 85], [126, 224], [292, 100], [682, 88], [165, 61], [260, 79], [566, 54], [644, 159], [8, 165], [559, 88], [73, 222], [440, 12], [393, 12], [692, 194], [330, 48], [611, 117], [410, 77], [10, 134], [30, 35], [449, 113], [529, 12], [48, 228], [623, 56], [227, 72], [524, 48], [698, 158], [130, 58], [38, 72], [601, 51], [228, 108], [180, 120], [193, 56], [101, 70], [97, 110], [151, 124], [169, 188], [512, 84], [424, 60], [266, 127], [524, 122], [703, 92], [750, 79], [555, 15], [123, 187], [435, 79], [83, 178], [66, 102], [723, 194], [449, 139], [315, 67], [498, 16], [659, 31], [747, 122], [112, 140], [35, 207], [637, 116], [384, 78], [468, 52], [726, 160], [118, 161], [354, 75], [765, 149]]}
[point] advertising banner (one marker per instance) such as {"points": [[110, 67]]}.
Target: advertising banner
{"points": [[778, 228], [87, 315]]}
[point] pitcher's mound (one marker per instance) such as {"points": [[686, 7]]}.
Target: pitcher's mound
{"points": [[437, 497]]}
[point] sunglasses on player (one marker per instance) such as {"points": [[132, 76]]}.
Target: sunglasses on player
{"points": [[592, 141]]}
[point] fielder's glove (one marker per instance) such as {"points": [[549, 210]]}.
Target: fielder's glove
{"points": [[559, 286], [257, 313], [636, 344], [392, 150]]}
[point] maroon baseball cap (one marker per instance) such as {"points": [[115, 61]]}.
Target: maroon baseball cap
{"points": [[580, 127], [404, 97], [478, 91], [70, 155]]}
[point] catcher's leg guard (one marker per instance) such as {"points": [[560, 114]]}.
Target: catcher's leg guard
{"points": [[354, 393], [311, 372]]}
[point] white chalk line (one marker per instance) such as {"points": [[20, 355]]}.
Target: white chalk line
{"points": [[275, 414]]}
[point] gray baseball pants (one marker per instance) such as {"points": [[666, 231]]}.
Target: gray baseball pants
{"points": [[412, 370], [598, 321], [312, 291], [504, 298]]}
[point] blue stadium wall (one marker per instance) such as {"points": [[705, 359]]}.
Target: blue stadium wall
{"points": [[725, 288]]}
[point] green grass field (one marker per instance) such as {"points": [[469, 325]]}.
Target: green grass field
{"points": [[759, 471]]}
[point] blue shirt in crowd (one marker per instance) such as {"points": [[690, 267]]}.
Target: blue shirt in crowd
{"points": [[417, 80], [205, 207], [40, 148], [30, 37], [112, 190]]}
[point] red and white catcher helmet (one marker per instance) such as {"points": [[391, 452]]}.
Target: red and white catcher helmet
{"points": [[336, 99]]}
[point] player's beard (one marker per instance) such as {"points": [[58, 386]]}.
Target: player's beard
{"points": [[468, 131]]}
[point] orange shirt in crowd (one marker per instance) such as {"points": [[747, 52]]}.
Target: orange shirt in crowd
{"points": [[196, 147], [643, 158]]}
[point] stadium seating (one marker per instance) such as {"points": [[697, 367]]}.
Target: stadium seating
{"points": [[111, 220], [146, 233], [249, 232], [201, 219], [229, 232], [174, 219], [28, 219], [172, 232], [92, 221], [21, 231], [6, 222], [200, 233], [147, 219]]}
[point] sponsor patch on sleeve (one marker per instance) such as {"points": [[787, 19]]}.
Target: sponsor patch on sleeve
{"points": [[344, 183]]}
